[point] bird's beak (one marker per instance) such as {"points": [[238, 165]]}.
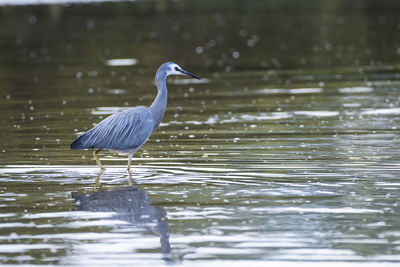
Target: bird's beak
{"points": [[189, 74]]}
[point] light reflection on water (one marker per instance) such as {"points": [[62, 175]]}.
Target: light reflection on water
{"points": [[262, 162], [223, 212]]}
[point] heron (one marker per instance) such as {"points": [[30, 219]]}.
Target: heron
{"points": [[126, 131]]}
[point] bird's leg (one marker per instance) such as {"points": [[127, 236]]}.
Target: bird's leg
{"points": [[97, 182], [130, 180], [96, 157], [129, 162]]}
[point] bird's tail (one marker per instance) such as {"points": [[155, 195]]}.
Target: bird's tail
{"points": [[80, 142]]}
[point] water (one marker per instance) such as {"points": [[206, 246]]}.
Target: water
{"points": [[286, 153]]}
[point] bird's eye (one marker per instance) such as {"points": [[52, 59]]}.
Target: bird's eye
{"points": [[176, 68]]}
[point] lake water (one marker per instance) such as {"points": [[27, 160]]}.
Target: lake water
{"points": [[286, 153]]}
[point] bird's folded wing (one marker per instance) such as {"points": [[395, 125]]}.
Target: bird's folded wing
{"points": [[124, 130]]}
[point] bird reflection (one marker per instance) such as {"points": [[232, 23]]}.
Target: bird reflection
{"points": [[131, 204]]}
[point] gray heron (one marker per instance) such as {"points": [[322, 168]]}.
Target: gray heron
{"points": [[126, 131]]}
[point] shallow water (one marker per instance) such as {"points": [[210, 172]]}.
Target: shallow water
{"points": [[285, 153]]}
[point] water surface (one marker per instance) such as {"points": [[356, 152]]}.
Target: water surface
{"points": [[285, 153]]}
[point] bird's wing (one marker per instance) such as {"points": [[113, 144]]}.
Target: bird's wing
{"points": [[124, 130]]}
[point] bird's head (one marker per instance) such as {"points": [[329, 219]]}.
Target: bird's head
{"points": [[173, 69]]}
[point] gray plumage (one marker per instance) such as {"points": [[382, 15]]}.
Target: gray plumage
{"points": [[125, 132], [128, 129]]}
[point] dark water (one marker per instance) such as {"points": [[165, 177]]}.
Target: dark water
{"points": [[286, 153]]}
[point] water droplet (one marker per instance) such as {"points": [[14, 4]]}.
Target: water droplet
{"points": [[32, 19], [251, 42], [199, 50], [328, 47], [90, 24]]}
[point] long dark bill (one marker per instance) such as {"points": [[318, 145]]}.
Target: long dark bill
{"points": [[189, 74]]}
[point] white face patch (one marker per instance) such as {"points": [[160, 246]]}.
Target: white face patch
{"points": [[172, 70]]}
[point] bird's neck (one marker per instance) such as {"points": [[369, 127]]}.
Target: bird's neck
{"points": [[159, 104]]}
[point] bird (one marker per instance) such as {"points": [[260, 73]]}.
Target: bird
{"points": [[126, 131]]}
